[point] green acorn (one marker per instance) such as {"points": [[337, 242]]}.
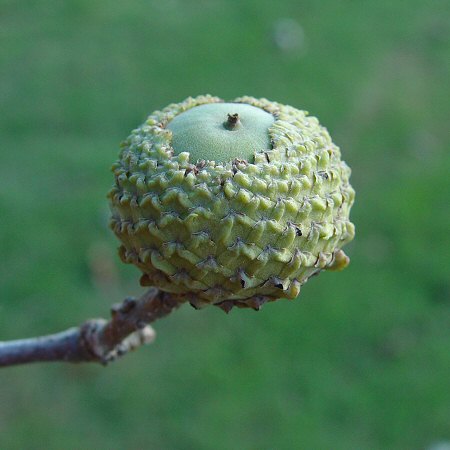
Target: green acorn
{"points": [[231, 203]]}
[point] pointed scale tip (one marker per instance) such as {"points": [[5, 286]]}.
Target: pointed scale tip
{"points": [[226, 306], [256, 303]]}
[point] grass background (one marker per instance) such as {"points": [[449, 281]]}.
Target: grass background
{"points": [[361, 360]]}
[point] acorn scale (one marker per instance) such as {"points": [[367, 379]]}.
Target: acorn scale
{"points": [[231, 203]]}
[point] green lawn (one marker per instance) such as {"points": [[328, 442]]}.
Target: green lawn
{"points": [[361, 360]]}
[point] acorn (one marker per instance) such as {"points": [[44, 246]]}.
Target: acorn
{"points": [[231, 203]]}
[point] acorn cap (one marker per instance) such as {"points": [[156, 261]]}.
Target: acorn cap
{"points": [[231, 203]]}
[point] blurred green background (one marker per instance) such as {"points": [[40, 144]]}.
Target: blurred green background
{"points": [[361, 360]]}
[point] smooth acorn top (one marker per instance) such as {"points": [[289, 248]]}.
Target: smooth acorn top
{"points": [[221, 132]]}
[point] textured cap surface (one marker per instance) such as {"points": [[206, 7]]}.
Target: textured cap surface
{"points": [[237, 231]]}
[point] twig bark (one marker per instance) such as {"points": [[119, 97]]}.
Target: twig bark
{"points": [[96, 340]]}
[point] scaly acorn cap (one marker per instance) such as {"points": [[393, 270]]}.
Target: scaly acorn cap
{"points": [[232, 204]]}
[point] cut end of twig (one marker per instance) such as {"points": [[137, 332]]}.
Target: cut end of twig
{"points": [[135, 340]]}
